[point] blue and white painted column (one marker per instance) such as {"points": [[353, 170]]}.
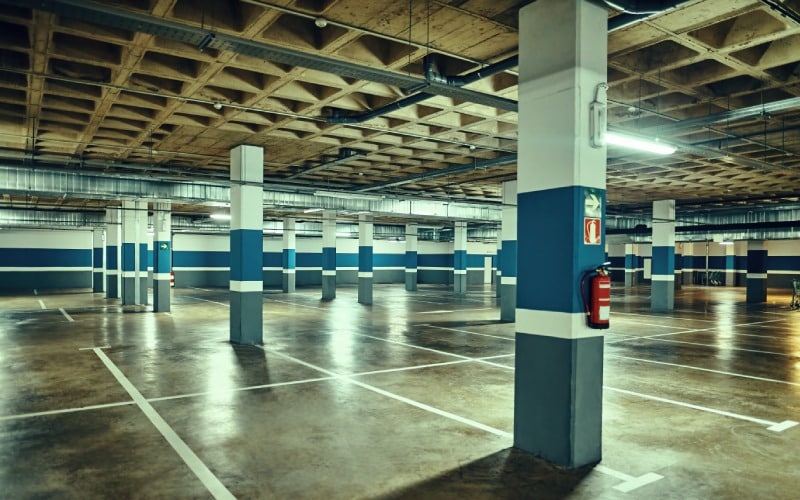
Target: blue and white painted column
{"points": [[365, 259], [508, 256], [98, 266], [142, 272], [730, 264], [247, 247], [162, 256], [289, 256], [130, 236], [412, 247], [499, 269], [630, 265], [662, 288], [688, 263], [756, 272], [460, 258], [113, 241], [678, 266], [328, 255], [558, 396]]}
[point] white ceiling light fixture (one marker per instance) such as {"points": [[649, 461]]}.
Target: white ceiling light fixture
{"points": [[348, 196], [639, 143], [312, 210], [220, 216]]}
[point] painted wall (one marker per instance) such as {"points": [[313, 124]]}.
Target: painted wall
{"points": [[45, 259]]}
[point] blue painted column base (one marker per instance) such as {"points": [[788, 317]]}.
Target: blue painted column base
{"points": [[289, 282], [508, 303], [662, 296], [247, 305], [97, 282], [557, 417], [161, 296], [411, 281], [756, 290], [365, 290], [328, 287]]}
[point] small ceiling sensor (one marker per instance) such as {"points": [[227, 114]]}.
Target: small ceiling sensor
{"points": [[320, 22], [218, 105], [472, 147]]}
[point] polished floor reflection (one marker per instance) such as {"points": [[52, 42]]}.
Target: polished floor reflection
{"points": [[411, 397]]}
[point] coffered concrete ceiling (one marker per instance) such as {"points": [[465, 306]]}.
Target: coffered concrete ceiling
{"points": [[165, 88]]}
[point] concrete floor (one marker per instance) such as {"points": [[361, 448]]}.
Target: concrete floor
{"points": [[409, 398]]}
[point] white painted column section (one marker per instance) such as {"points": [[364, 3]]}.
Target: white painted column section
{"points": [[508, 263], [98, 260], [328, 255], [142, 273], [162, 256], [662, 290], [113, 244], [412, 247], [289, 257], [130, 252], [365, 259]]}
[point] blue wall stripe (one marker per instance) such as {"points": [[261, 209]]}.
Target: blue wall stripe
{"points": [[740, 262], [508, 258], [45, 257], [309, 260], [288, 259], [435, 260], [460, 260], [128, 257], [678, 262], [246, 254], [111, 258], [549, 277], [476, 261], [663, 260], [365, 259], [346, 260], [784, 262], [617, 262], [185, 258], [757, 261], [329, 259], [411, 260]]}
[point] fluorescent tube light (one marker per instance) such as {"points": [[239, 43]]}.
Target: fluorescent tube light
{"points": [[348, 196], [220, 216], [640, 144], [312, 210], [726, 242]]}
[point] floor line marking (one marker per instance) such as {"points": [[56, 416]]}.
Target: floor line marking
{"points": [[65, 410], [198, 288], [293, 303], [69, 318], [429, 365], [209, 480], [41, 304], [470, 332], [437, 351], [440, 311], [238, 389], [630, 483], [689, 367], [95, 347], [662, 317], [206, 300], [771, 426], [720, 347], [35, 291]]}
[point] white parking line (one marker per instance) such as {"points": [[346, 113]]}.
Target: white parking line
{"points": [[771, 426], [65, 410], [206, 300], [69, 318], [211, 482], [41, 304], [294, 304], [468, 331]]}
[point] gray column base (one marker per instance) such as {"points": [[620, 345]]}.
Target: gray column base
{"points": [[498, 290], [328, 287], [112, 287], [128, 291], [756, 290], [97, 282], [289, 282], [143, 295], [508, 303], [411, 282], [161, 296], [365, 290], [247, 318], [688, 277], [630, 279], [730, 278], [678, 281], [662, 296], [460, 284], [558, 398]]}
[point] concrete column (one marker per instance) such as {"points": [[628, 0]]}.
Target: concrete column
{"points": [[113, 242], [162, 256], [508, 256], [730, 268], [130, 236], [460, 258], [688, 264], [678, 266], [328, 255], [98, 251], [558, 395], [756, 272], [497, 260], [412, 246], [247, 247], [365, 253], [630, 265], [289, 255], [141, 252], [662, 291]]}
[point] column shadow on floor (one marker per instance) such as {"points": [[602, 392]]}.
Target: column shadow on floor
{"points": [[509, 473]]}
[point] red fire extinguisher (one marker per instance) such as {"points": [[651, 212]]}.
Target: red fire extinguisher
{"points": [[598, 302]]}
